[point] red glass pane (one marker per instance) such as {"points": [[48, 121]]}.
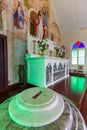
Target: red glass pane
{"points": [[78, 43]]}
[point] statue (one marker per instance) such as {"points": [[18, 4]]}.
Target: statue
{"points": [[22, 75]]}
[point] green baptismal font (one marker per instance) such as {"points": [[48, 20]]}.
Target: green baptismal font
{"points": [[37, 109]]}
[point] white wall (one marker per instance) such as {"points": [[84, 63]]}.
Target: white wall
{"points": [[70, 38]]}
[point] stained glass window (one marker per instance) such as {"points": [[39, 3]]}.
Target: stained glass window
{"points": [[77, 45], [78, 53]]}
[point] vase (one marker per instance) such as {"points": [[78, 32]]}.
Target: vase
{"points": [[42, 53], [22, 75]]}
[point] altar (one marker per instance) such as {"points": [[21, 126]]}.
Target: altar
{"points": [[43, 71]]}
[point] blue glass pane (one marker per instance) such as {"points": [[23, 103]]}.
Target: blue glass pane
{"points": [[75, 46], [81, 45]]}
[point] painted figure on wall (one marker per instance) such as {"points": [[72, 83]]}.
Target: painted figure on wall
{"points": [[45, 22], [38, 25], [19, 16], [3, 6], [1, 23]]}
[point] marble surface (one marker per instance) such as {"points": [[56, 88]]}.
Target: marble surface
{"points": [[70, 119], [36, 107]]}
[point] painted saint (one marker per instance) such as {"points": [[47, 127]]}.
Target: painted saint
{"points": [[38, 26], [45, 22], [3, 5], [19, 16], [1, 23]]}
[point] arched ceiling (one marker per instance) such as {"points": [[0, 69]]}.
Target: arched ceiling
{"points": [[71, 15]]}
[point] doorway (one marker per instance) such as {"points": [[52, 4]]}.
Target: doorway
{"points": [[3, 62]]}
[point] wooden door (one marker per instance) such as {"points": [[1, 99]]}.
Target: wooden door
{"points": [[3, 62]]}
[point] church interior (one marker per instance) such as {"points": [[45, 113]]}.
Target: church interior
{"points": [[43, 65]]}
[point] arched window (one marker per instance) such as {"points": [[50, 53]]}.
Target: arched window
{"points": [[78, 45], [78, 53]]}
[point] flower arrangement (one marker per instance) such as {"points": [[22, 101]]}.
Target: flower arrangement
{"points": [[60, 51], [43, 45]]}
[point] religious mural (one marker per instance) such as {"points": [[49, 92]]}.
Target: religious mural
{"points": [[23, 20], [3, 6], [28, 15], [20, 19], [39, 20], [36, 24], [19, 16]]}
